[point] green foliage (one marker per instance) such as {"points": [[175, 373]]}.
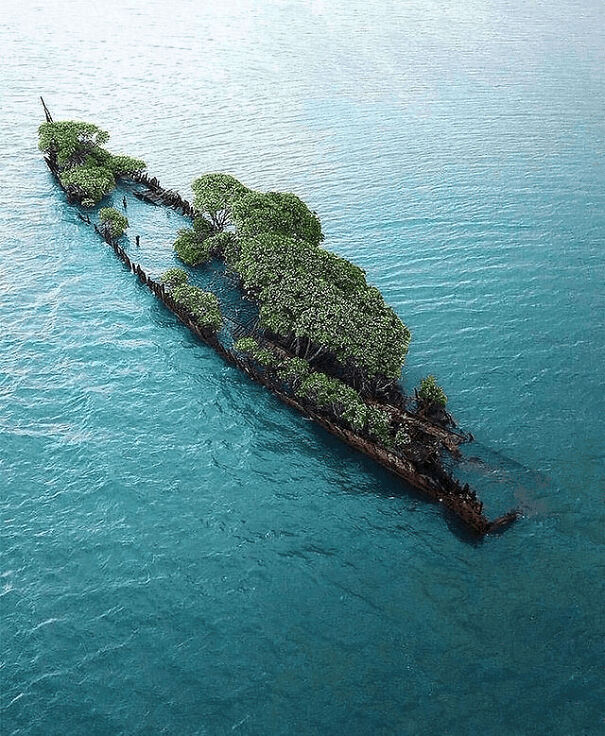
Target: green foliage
{"points": [[319, 302], [402, 439], [431, 393], [379, 425], [310, 293], [70, 139], [276, 212], [190, 249], [113, 220], [91, 183], [263, 356], [124, 165], [325, 392], [335, 396], [214, 195], [202, 305], [222, 244], [247, 345], [201, 227], [174, 277], [87, 169], [294, 370]]}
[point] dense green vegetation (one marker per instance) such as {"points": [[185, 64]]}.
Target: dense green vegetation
{"points": [[202, 305], [190, 248], [330, 394], [330, 340], [323, 306], [317, 303], [197, 245], [174, 277], [325, 393], [276, 212], [113, 222], [214, 194], [345, 344], [261, 355], [431, 393], [87, 170]]}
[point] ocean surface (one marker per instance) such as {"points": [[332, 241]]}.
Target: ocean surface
{"points": [[180, 553]]}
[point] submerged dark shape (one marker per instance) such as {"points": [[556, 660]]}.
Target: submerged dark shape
{"points": [[322, 373]]}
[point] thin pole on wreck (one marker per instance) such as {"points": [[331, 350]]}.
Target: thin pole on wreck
{"points": [[49, 117]]}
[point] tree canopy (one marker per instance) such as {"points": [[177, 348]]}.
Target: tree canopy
{"points": [[70, 140], [87, 170], [90, 183], [323, 304], [319, 303], [277, 212], [115, 222], [190, 248], [325, 393], [431, 393], [214, 195], [174, 277], [202, 305]]}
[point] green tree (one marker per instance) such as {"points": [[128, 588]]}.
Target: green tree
{"points": [[202, 305], [124, 165], [277, 212], [214, 195], [190, 249], [223, 244], [322, 306], [294, 371], [113, 222], [430, 393], [89, 183], [335, 397], [70, 140], [174, 277], [87, 171], [262, 355], [379, 425]]}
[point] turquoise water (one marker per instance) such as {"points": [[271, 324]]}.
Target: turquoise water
{"points": [[183, 555]]}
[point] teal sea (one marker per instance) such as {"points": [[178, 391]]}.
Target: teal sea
{"points": [[180, 553]]}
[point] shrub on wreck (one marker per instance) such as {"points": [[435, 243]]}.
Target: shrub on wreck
{"points": [[335, 397], [89, 183], [113, 222], [379, 426], [198, 245], [202, 227], [281, 213], [263, 356], [214, 195], [202, 305], [125, 165], [223, 244], [70, 140], [174, 277], [431, 393], [86, 169], [190, 248], [323, 307], [294, 371]]}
